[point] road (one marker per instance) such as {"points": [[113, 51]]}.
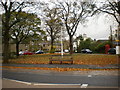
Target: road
{"points": [[38, 76]]}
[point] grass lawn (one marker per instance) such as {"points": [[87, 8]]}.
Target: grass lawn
{"points": [[87, 59]]}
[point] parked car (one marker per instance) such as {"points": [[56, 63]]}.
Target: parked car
{"points": [[27, 53], [112, 51], [21, 52], [39, 52], [57, 51], [86, 51], [66, 51]]}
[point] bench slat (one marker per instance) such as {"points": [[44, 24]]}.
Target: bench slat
{"points": [[61, 59]]}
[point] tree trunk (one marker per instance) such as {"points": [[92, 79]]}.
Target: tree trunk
{"points": [[6, 37], [71, 44], [51, 50], [119, 32], [6, 46], [17, 49]]}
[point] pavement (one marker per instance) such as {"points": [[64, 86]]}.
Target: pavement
{"points": [[10, 83], [30, 78], [115, 66], [7, 83]]}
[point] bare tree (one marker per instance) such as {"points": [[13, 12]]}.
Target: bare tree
{"points": [[111, 7], [52, 21], [72, 14]]}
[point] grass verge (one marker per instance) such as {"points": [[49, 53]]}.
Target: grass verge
{"points": [[86, 59]]}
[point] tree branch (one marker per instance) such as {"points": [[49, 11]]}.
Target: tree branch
{"points": [[105, 11], [4, 5], [113, 6], [20, 4]]}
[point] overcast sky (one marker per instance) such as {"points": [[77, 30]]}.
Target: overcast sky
{"points": [[98, 27]]}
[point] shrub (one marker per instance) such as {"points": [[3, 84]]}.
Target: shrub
{"points": [[12, 55], [100, 48]]}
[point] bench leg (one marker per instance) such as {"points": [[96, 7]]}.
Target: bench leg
{"points": [[71, 62], [60, 62], [50, 62]]}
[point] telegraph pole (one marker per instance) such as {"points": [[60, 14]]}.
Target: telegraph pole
{"points": [[117, 46], [111, 37]]}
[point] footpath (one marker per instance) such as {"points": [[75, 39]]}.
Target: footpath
{"points": [[7, 83], [64, 66]]}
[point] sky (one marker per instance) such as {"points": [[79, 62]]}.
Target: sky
{"points": [[97, 27]]}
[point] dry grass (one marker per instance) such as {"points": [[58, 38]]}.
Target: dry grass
{"points": [[88, 59], [95, 59]]}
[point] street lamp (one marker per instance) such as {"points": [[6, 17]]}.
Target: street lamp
{"points": [[61, 40]]}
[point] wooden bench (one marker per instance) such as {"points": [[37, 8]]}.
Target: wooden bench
{"points": [[61, 59]]}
